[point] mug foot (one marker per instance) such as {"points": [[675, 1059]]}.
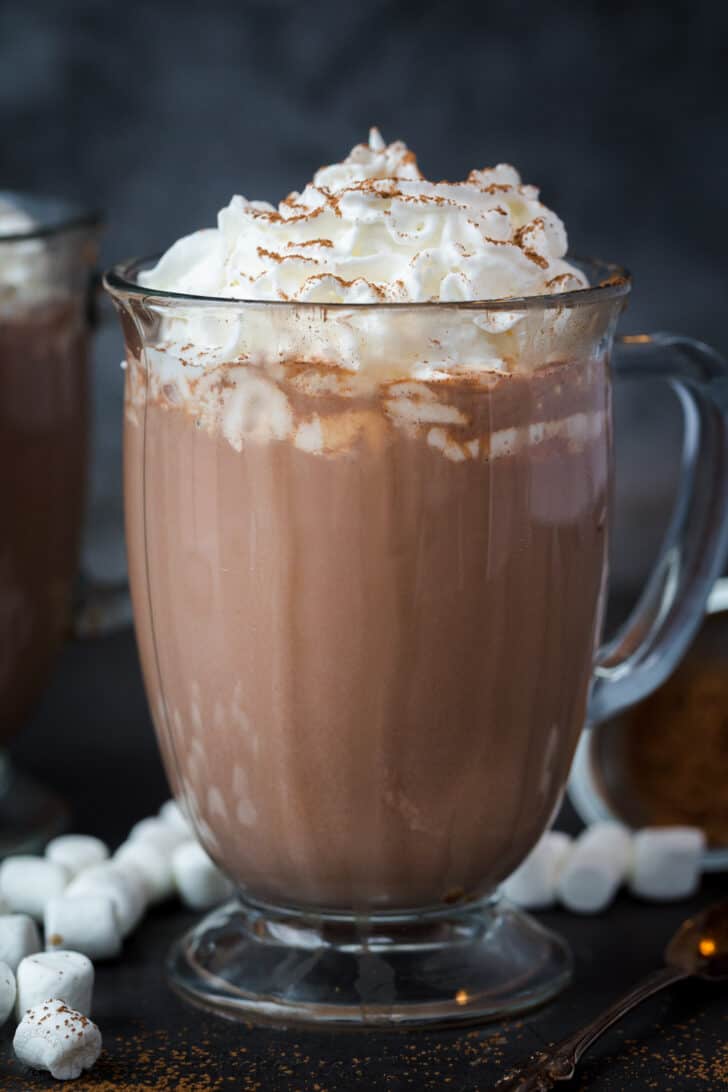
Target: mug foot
{"points": [[267, 965]]}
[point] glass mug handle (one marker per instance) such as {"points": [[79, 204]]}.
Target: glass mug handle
{"points": [[659, 630], [99, 608]]}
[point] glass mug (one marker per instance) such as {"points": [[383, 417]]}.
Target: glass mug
{"points": [[44, 328], [368, 601]]}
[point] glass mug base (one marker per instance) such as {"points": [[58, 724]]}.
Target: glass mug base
{"points": [[30, 814], [269, 965]]}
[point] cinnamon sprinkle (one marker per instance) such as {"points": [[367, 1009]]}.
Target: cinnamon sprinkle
{"points": [[520, 238], [312, 242], [263, 253]]}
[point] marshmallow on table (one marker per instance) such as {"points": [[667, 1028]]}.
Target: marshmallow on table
{"points": [[199, 881], [27, 883], [533, 884], [54, 1036], [19, 938], [130, 871], [76, 852], [83, 923], [160, 833], [122, 885], [153, 864], [667, 862], [173, 814], [594, 869], [7, 992], [66, 976]]}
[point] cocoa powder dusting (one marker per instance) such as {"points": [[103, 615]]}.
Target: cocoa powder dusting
{"points": [[677, 751]]}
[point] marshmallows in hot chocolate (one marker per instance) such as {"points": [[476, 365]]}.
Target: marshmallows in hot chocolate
{"points": [[372, 229]]}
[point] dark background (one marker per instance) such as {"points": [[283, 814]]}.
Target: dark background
{"points": [[159, 111]]}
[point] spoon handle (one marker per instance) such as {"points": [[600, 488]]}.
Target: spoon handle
{"points": [[558, 1062]]}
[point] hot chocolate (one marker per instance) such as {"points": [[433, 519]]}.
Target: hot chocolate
{"points": [[367, 543], [368, 663], [42, 473], [43, 424], [367, 467]]}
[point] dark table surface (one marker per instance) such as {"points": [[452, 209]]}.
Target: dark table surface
{"points": [[92, 740]]}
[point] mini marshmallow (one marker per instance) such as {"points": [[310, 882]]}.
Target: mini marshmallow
{"points": [[667, 862], [199, 881], [66, 976], [77, 852], [122, 885], [83, 923], [597, 864], [7, 992], [27, 883], [56, 1037], [152, 863], [19, 938], [132, 872], [533, 884], [173, 814], [159, 832]]}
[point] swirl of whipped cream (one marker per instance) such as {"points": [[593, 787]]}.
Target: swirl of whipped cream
{"points": [[371, 229]]}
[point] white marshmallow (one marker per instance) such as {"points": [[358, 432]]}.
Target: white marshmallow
{"points": [[56, 1037], [533, 884], [152, 863], [19, 938], [132, 872], [122, 885], [159, 832], [173, 814], [597, 864], [83, 923], [66, 976], [77, 852], [7, 992], [199, 881], [27, 883], [667, 862]]}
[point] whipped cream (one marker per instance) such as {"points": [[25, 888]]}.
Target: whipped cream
{"points": [[23, 264], [369, 230], [13, 219], [372, 229]]}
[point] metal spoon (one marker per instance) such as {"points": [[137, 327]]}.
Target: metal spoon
{"points": [[699, 948]]}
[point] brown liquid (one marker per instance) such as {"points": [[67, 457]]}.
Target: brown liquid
{"points": [[369, 668], [42, 468]]}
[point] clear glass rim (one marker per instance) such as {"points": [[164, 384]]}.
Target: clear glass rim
{"points": [[56, 216], [614, 282]]}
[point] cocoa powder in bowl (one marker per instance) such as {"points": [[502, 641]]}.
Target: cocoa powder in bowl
{"points": [[669, 760]]}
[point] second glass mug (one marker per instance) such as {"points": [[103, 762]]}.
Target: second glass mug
{"points": [[46, 271], [368, 600]]}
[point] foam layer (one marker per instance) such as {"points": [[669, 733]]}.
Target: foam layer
{"points": [[323, 413]]}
